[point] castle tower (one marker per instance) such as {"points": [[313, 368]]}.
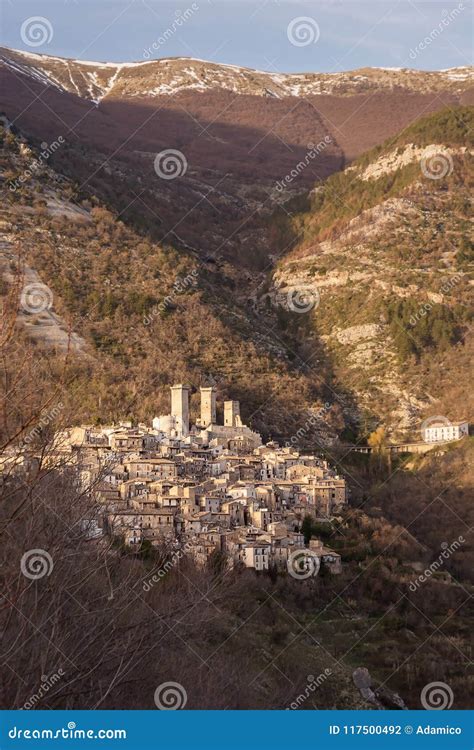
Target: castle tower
{"points": [[208, 406], [180, 408], [231, 413]]}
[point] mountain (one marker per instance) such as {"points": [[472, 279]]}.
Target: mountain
{"points": [[97, 80], [324, 285], [261, 209], [385, 248], [132, 314], [240, 133]]}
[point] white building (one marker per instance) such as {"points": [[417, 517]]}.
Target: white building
{"points": [[441, 430], [257, 555]]}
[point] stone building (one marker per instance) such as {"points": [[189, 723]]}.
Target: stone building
{"points": [[443, 430]]}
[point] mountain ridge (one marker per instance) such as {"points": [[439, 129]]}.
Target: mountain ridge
{"points": [[174, 74]]}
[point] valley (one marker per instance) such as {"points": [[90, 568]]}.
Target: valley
{"points": [[298, 244], [238, 230]]}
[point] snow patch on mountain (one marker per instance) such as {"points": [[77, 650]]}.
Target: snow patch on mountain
{"points": [[168, 76]]}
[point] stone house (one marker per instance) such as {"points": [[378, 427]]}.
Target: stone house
{"points": [[257, 555]]}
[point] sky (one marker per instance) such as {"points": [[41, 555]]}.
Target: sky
{"points": [[273, 35]]}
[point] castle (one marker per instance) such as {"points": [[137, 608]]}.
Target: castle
{"points": [[233, 434], [205, 487]]}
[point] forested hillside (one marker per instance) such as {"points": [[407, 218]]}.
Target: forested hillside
{"points": [[388, 247]]}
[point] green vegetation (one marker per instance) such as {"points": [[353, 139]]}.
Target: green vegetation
{"points": [[416, 327], [452, 126], [344, 195], [403, 269]]}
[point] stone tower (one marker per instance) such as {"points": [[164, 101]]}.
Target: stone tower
{"points": [[231, 414], [180, 408], [208, 406]]}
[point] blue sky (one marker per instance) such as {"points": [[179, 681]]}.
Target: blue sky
{"points": [[343, 34]]}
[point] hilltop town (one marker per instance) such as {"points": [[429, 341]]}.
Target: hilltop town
{"points": [[177, 234], [206, 488]]}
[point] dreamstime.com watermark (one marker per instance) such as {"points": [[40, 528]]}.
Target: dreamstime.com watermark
{"points": [[435, 428], [36, 564], [310, 423], [448, 550], [302, 299], [170, 164], [302, 31], [46, 684], [303, 564], [170, 696], [36, 298], [179, 287], [437, 164], [166, 567], [426, 308], [311, 687], [448, 18], [36, 31], [181, 17], [314, 150], [437, 696], [45, 419], [67, 733], [47, 150]]}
